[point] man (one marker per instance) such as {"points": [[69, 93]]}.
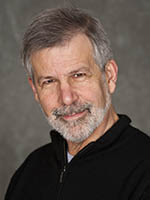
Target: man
{"points": [[95, 153]]}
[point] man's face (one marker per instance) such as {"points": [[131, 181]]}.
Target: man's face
{"points": [[70, 88]]}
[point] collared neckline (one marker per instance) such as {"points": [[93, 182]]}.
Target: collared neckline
{"points": [[117, 128], [109, 137]]}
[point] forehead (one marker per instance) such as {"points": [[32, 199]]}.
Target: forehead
{"points": [[77, 51]]}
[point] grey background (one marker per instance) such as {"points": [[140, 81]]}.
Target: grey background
{"points": [[23, 127]]}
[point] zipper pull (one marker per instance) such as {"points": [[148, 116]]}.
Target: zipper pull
{"points": [[62, 174]]}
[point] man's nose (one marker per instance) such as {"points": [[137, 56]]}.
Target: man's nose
{"points": [[67, 94]]}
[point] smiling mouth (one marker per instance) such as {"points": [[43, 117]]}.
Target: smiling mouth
{"points": [[74, 116], [73, 112]]}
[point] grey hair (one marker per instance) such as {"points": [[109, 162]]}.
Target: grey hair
{"points": [[53, 27]]}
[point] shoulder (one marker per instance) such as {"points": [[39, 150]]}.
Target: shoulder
{"points": [[38, 154], [139, 136], [138, 142], [37, 158], [41, 152]]}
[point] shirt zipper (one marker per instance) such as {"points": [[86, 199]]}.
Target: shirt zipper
{"points": [[66, 165], [62, 174]]}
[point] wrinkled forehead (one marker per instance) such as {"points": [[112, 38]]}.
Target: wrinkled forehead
{"points": [[78, 50]]}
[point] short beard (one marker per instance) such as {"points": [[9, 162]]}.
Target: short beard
{"points": [[79, 130]]}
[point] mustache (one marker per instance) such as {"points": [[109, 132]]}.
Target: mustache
{"points": [[72, 109]]}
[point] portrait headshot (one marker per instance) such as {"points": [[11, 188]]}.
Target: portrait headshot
{"points": [[75, 100]]}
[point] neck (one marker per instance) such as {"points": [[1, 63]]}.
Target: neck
{"points": [[110, 118]]}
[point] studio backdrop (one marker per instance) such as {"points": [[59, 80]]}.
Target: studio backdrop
{"points": [[23, 127]]}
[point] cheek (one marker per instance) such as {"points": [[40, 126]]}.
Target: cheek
{"points": [[48, 101], [93, 93]]}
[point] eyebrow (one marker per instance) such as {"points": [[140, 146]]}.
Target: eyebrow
{"points": [[80, 69]]}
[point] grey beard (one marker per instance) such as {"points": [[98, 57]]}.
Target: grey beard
{"points": [[78, 130]]}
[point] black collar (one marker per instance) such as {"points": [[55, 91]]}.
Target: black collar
{"points": [[108, 139]]}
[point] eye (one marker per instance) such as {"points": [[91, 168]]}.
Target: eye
{"points": [[48, 82], [79, 75]]}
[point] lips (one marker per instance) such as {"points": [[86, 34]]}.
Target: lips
{"points": [[72, 112], [74, 116]]}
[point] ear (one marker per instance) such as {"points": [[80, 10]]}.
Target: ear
{"points": [[33, 89], [111, 72]]}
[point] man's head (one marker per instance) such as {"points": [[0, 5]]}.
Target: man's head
{"points": [[74, 74], [54, 27]]}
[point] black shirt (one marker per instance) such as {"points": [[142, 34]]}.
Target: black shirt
{"points": [[115, 167]]}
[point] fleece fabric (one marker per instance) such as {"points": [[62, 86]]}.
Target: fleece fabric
{"points": [[115, 167]]}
